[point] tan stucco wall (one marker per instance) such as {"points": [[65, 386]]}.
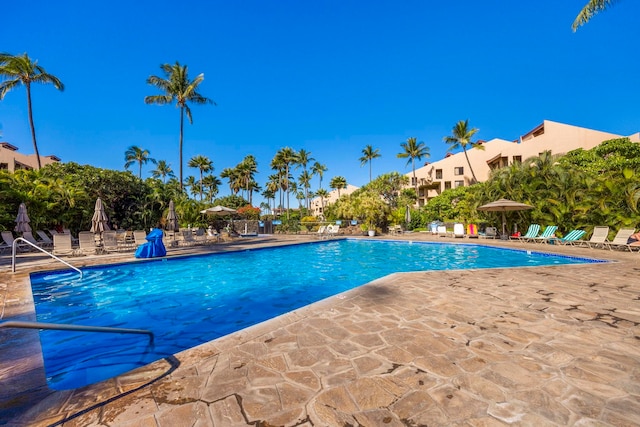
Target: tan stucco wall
{"points": [[316, 203], [16, 160]]}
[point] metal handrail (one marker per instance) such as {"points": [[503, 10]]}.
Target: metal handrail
{"points": [[82, 328], [13, 255]]}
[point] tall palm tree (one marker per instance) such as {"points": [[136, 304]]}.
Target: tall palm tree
{"points": [[211, 184], [21, 70], [135, 154], [589, 10], [245, 171], [163, 169], [318, 169], [413, 150], [286, 157], [177, 87], [339, 183], [323, 194], [231, 175], [461, 138], [303, 158], [202, 163], [368, 154], [305, 181]]}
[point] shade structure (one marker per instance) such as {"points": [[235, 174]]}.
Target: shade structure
{"points": [[22, 220], [504, 205], [99, 219], [218, 211], [172, 218], [407, 215]]}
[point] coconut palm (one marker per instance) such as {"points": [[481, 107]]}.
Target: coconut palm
{"points": [[338, 183], [21, 70], [305, 181], [135, 154], [589, 10], [368, 154], [202, 163], [285, 157], [245, 172], [177, 87], [303, 158], [461, 138], [318, 169], [210, 184], [163, 169], [323, 194], [413, 150]]}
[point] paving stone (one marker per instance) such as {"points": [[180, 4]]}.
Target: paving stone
{"points": [[227, 412]]}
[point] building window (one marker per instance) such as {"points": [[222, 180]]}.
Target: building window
{"points": [[4, 166], [457, 184], [517, 159], [447, 185], [438, 173], [414, 181], [458, 170]]}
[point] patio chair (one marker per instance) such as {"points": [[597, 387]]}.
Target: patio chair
{"points": [[548, 234], [322, 232], [620, 239], [598, 238], [8, 239], [490, 233], [62, 244], [333, 230], [212, 235], [139, 237], [187, 238], [458, 230], [201, 237], [28, 236], [472, 231], [87, 242], [442, 231], [571, 238], [532, 233], [45, 240]]}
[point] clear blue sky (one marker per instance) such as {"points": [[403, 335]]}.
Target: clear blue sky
{"points": [[326, 76]]}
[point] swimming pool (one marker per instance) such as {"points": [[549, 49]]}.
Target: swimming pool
{"points": [[190, 300]]}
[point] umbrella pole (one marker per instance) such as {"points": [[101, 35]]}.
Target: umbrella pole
{"points": [[504, 224]]}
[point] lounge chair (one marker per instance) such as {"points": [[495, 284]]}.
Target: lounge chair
{"points": [[44, 239], [139, 237], [212, 235], [62, 244], [333, 230], [187, 238], [571, 238], [490, 233], [201, 237], [8, 239], [395, 229], [598, 238], [87, 242], [322, 230], [28, 236], [472, 231], [620, 239], [532, 233], [458, 230], [442, 231], [549, 233]]}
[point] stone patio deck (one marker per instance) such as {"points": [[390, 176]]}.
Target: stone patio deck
{"points": [[545, 346]]}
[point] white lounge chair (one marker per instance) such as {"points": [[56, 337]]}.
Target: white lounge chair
{"points": [[62, 244], [442, 231], [458, 230], [620, 239], [87, 242], [598, 238], [332, 230]]}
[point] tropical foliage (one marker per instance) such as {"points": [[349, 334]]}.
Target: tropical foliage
{"points": [[461, 138]]}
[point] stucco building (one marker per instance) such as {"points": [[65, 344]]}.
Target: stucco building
{"points": [[12, 160], [453, 171]]}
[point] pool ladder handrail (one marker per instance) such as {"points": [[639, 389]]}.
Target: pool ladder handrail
{"points": [[66, 327], [15, 246]]}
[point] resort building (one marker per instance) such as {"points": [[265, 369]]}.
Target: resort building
{"points": [[453, 171], [316, 203], [12, 161]]}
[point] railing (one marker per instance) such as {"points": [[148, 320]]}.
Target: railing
{"points": [[82, 328], [15, 246]]}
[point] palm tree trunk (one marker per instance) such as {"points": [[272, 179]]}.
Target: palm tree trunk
{"points": [[370, 160], [140, 169], [470, 168], [181, 132], [33, 128], [200, 184], [415, 180]]}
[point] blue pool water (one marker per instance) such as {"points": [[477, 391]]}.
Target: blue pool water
{"points": [[190, 300]]}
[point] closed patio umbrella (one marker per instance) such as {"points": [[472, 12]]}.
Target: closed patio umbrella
{"points": [[99, 219], [407, 215], [22, 220], [504, 205], [172, 218]]}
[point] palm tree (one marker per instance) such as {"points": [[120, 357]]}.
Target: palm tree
{"points": [[318, 169], [285, 157], [305, 181], [413, 150], [135, 154], [245, 172], [338, 182], [178, 88], [203, 164], [163, 169], [589, 10], [22, 70], [231, 175], [322, 193], [303, 158], [461, 138], [211, 184], [191, 183], [368, 154]]}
